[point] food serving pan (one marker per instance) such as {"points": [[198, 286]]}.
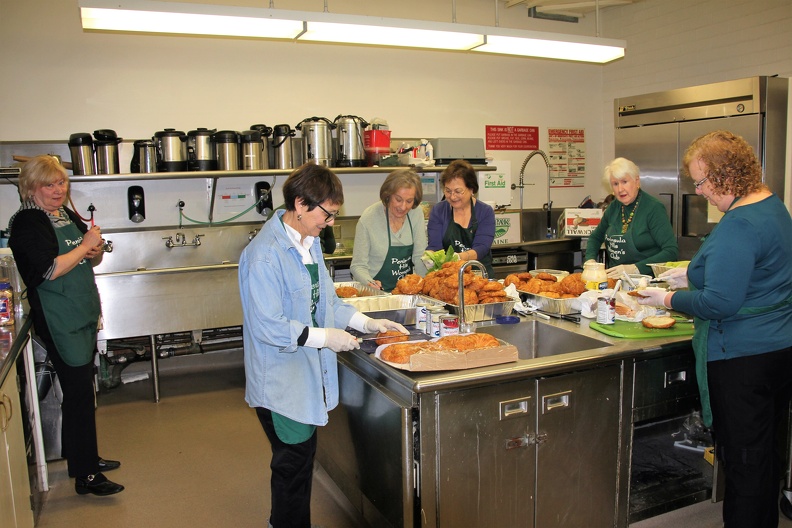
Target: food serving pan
{"points": [[477, 312], [550, 305], [398, 308], [363, 289]]}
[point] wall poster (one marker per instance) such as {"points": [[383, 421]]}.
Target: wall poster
{"points": [[567, 154]]}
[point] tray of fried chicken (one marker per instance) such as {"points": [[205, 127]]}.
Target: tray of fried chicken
{"points": [[454, 352], [547, 293], [484, 299], [349, 290]]}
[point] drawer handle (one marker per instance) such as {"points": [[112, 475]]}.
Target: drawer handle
{"points": [[514, 408], [672, 377], [561, 400]]}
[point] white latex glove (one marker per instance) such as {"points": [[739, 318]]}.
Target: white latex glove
{"points": [[652, 297], [617, 272], [383, 325], [339, 341], [675, 277]]}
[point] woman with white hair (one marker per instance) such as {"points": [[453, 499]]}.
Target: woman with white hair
{"points": [[635, 226]]}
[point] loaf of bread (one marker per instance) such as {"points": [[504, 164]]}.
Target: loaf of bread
{"points": [[658, 321]]}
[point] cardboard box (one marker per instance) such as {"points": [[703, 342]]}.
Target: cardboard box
{"points": [[507, 229], [578, 222], [453, 360]]}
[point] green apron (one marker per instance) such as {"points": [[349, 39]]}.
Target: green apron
{"points": [[620, 247], [398, 261], [71, 305], [700, 335], [291, 431], [461, 239]]}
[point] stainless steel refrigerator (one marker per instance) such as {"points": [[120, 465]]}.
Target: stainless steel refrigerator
{"points": [[653, 130]]}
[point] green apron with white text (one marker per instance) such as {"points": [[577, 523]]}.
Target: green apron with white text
{"points": [[71, 304], [398, 261], [461, 239], [291, 431]]}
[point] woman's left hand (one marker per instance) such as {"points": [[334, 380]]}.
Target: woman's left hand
{"points": [[383, 325], [617, 272], [652, 297]]}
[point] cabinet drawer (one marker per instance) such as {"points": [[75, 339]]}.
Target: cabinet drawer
{"points": [[664, 385]]}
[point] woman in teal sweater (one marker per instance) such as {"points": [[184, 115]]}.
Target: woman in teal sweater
{"points": [[635, 227], [741, 297]]}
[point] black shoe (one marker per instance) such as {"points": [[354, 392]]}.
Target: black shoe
{"points": [[108, 465], [96, 484]]}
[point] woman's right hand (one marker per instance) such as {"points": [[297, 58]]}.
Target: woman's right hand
{"points": [[339, 340], [93, 237]]}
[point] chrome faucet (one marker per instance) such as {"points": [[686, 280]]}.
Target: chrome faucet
{"points": [[464, 326], [546, 207]]}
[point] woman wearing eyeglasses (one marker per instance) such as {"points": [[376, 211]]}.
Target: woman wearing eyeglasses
{"points": [[635, 226], [293, 327], [740, 293], [390, 235], [461, 220]]}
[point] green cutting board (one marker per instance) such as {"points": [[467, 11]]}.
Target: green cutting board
{"points": [[630, 330]]}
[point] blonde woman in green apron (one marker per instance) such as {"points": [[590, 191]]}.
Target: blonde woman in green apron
{"points": [[53, 248], [390, 236], [740, 294], [461, 220], [635, 226]]}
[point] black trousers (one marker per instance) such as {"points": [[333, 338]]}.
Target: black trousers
{"points": [[748, 397], [78, 434], [292, 477]]}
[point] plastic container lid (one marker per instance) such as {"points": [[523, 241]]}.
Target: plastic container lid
{"points": [[507, 319]]}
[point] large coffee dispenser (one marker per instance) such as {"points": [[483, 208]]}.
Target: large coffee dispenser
{"points": [[171, 150], [282, 146], [317, 140], [349, 148], [106, 148], [82, 154], [201, 150]]}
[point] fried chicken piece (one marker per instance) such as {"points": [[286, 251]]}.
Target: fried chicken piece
{"points": [[346, 292], [573, 284], [554, 287], [467, 342], [546, 277], [534, 286], [525, 276], [492, 286], [410, 284], [390, 336], [512, 279], [401, 352], [478, 283]]}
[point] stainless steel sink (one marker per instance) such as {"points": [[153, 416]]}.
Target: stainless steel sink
{"points": [[535, 339]]}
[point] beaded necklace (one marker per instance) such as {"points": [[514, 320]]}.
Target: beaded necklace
{"points": [[626, 223]]}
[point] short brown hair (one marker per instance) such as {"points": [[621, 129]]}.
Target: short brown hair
{"points": [[461, 169], [312, 184], [731, 163], [38, 172], [401, 179]]}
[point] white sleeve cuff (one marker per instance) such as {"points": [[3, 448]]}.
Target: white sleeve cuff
{"points": [[317, 337]]}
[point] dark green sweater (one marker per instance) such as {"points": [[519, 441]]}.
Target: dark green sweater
{"points": [[651, 232]]}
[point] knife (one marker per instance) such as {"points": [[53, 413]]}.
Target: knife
{"points": [[372, 338]]}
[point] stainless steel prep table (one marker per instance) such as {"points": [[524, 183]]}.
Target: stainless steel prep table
{"points": [[438, 448]]}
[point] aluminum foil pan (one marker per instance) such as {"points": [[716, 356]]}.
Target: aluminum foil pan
{"points": [[364, 290], [548, 304], [478, 312], [398, 308]]}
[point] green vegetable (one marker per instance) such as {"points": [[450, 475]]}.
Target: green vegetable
{"points": [[436, 259]]}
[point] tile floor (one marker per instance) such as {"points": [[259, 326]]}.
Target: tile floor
{"points": [[199, 458]]}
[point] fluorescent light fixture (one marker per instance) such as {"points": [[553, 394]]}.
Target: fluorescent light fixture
{"points": [[205, 19]]}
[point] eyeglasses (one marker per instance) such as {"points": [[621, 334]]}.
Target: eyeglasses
{"points": [[330, 216], [701, 182], [455, 192]]}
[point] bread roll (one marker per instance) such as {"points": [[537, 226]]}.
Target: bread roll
{"points": [[658, 321]]}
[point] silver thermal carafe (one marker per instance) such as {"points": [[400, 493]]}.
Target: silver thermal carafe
{"points": [[282, 147], [171, 150], [82, 154], [265, 134], [144, 156], [106, 148], [349, 150], [254, 154], [317, 140], [227, 149], [201, 153]]}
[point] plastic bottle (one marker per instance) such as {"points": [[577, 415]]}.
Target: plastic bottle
{"points": [[594, 275], [6, 303]]}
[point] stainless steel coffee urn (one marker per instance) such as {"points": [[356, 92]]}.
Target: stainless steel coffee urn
{"points": [[144, 156], [282, 146], [227, 147], [82, 154], [201, 155], [252, 153], [349, 149], [171, 150], [317, 140], [106, 149]]}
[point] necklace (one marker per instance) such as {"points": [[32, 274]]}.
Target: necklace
{"points": [[626, 223]]}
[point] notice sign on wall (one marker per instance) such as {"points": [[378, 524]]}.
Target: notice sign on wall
{"points": [[567, 154], [501, 137]]}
